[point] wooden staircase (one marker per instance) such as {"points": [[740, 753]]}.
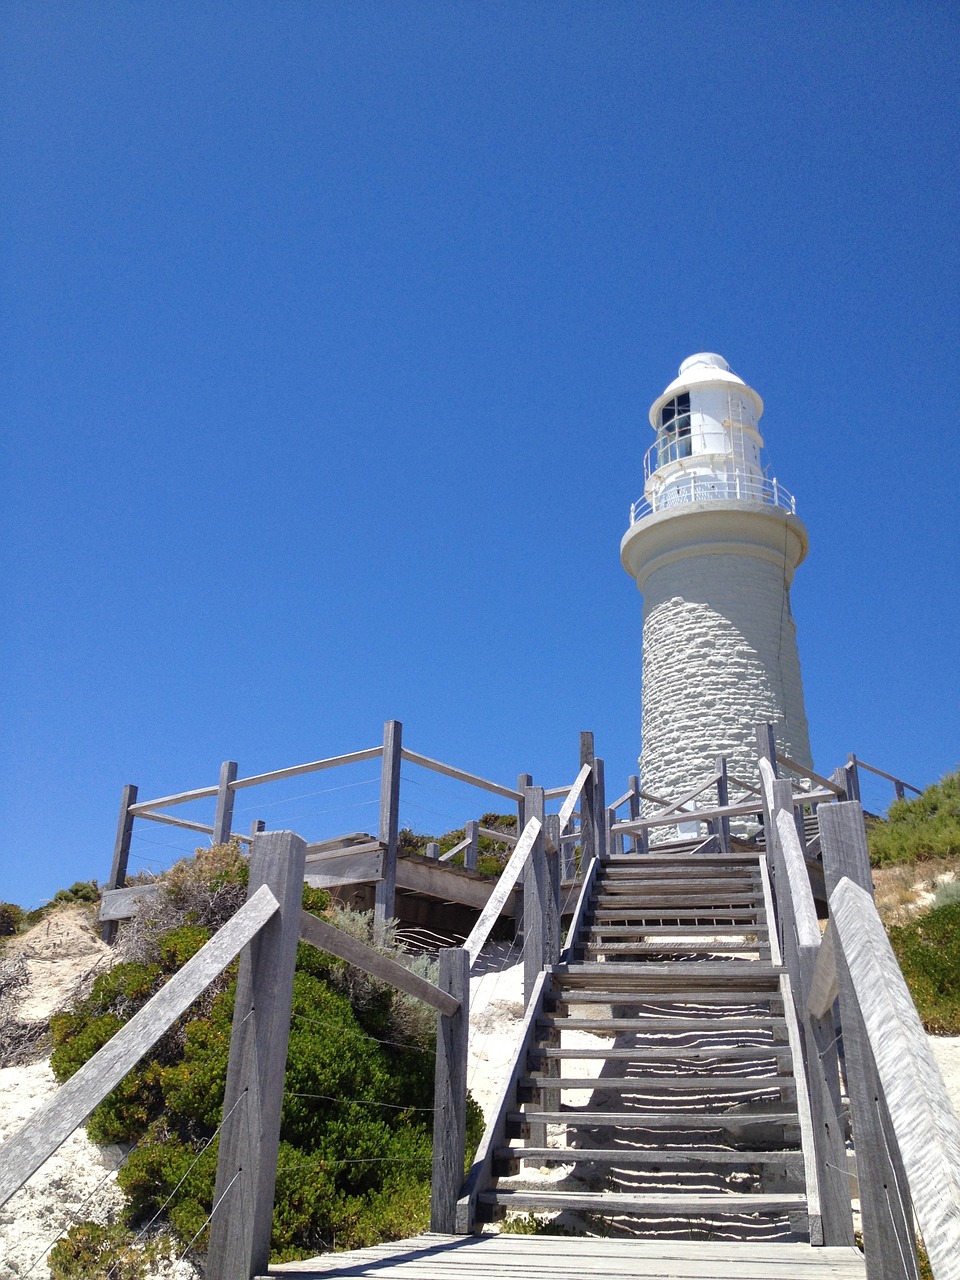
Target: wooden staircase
{"points": [[693, 1124]]}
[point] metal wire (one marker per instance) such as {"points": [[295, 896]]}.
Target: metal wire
{"points": [[212, 1212], [76, 1213], [338, 1026], [370, 1102]]}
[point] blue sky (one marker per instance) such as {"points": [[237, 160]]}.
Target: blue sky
{"points": [[329, 334]]}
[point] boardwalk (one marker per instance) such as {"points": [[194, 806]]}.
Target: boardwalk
{"points": [[512, 1257]]}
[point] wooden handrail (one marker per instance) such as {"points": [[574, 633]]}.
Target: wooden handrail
{"points": [[676, 806], [202, 793], [923, 1120], [327, 937], [497, 900], [23, 1153], [796, 767], [499, 837], [461, 775], [573, 795], [862, 764]]}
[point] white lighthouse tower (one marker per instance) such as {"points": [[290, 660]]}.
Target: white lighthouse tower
{"points": [[713, 546]]}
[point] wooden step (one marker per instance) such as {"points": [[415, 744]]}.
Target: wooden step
{"points": [[665, 1084], [696, 1022], [664, 997], [671, 931], [677, 921], [655, 1157], [648, 949], [649, 1204], [679, 1055], [681, 1121], [678, 976], [675, 905], [617, 861], [679, 884]]}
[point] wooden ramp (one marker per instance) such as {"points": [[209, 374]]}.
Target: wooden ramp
{"points": [[513, 1257]]}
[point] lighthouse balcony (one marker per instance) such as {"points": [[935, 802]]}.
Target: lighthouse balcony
{"points": [[687, 489]]}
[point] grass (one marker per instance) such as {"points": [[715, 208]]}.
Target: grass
{"points": [[928, 952]]}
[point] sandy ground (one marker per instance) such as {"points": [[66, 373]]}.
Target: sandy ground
{"points": [[63, 954]]}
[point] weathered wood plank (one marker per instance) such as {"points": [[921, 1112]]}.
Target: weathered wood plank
{"points": [[327, 937], [824, 986], [223, 818], [23, 1153], [352, 868], [461, 775], [122, 904], [498, 898], [500, 837], [450, 1091], [472, 851], [843, 841], [294, 771], [926, 1127], [796, 767], [516, 1257], [121, 854], [250, 1134], [573, 795], [449, 884], [166, 819], [384, 905]]}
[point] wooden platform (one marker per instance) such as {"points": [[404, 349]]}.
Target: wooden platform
{"points": [[513, 1257]]}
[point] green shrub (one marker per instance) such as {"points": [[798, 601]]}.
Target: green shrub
{"points": [[90, 1249], [11, 917], [928, 951], [926, 827], [947, 893], [79, 891], [355, 1157]]}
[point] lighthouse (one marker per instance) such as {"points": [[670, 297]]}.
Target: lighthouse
{"points": [[712, 546]]}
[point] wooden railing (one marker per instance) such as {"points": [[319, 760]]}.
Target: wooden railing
{"points": [[372, 863], [847, 989]]}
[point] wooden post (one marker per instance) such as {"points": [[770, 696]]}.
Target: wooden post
{"points": [[819, 1070], [634, 809], [852, 775], [472, 851], [888, 1239], [723, 799], [256, 826], [600, 809], [843, 843], [121, 854], [223, 821], [524, 780], [767, 746], [537, 901], [551, 831], [386, 891], [249, 1140], [450, 1093], [535, 894], [433, 849], [588, 837]]}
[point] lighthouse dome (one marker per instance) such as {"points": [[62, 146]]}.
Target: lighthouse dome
{"points": [[698, 372]]}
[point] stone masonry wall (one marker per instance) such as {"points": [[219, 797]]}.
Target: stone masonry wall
{"points": [[719, 656]]}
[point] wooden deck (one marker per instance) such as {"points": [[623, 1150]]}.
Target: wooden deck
{"points": [[513, 1257]]}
